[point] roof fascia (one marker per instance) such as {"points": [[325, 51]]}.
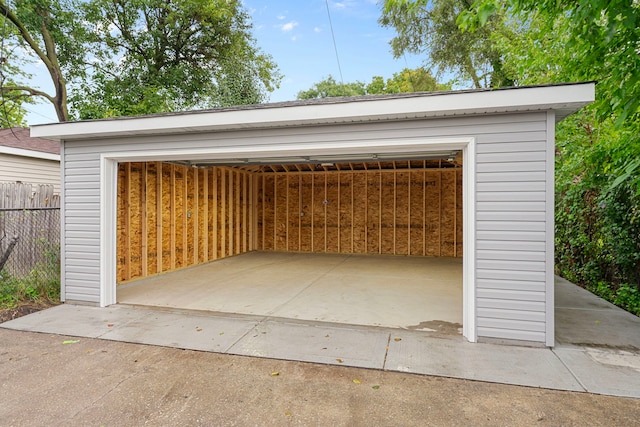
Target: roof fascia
{"points": [[29, 153], [564, 99]]}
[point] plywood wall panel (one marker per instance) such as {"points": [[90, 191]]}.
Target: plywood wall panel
{"points": [[269, 211], [281, 205], [172, 216], [168, 220], [448, 214], [318, 213], [360, 208], [293, 219], [388, 206], [306, 193], [152, 218], [346, 213], [135, 218], [401, 212], [401, 217], [374, 212], [416, 213], [433, 215], [332, 206]]}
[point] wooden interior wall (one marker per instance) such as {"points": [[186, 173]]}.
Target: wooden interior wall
{"points": [[402, 212], [172, 216]]}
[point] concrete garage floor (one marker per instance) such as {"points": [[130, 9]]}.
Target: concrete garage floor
{"points": [[415, 293]]}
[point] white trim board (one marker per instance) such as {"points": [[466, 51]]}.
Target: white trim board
{"points": [[109, 190], [565, 99], [29, 153]]}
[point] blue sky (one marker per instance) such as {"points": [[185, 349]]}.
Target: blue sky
{"points": [[297, 35]]}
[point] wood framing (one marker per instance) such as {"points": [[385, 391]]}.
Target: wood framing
{"points": [[178, 219], [399, 212]]}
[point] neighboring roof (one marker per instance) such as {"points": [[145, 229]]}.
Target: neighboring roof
{"points": [[18, 142], [564, 99]]}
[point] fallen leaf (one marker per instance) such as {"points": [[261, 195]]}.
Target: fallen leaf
{"points": [[375, 387], [397, 339], [110, 325], [275, 374], [287, 414], [356, 381], [339, 360], [70, 342], [198, 329], [597, 321], [221, 333]]}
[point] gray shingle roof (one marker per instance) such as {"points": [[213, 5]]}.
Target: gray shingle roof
{"points": [[20, 138]]}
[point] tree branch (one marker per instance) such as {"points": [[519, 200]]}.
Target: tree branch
{"points": [[31, 91], [8, 14]]}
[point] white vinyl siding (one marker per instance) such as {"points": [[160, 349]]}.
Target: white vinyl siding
{"points": [[510, 212], [30, 170], [511, 224]]}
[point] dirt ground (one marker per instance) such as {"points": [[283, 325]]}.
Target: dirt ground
{"points": [[57, 380], [7, 314]]}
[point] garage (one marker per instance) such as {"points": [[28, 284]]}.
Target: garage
{"points": [[463, 177], [200, 212]]}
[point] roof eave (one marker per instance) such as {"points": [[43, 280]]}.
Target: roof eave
{"points": [[564, 99]]}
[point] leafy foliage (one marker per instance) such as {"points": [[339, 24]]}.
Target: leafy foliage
{"points": [[157, 56], [126, 57], [42, 284], [430, 28], [45, 32], [597, 227], [598, 149], [407, 80], [595, 40]]}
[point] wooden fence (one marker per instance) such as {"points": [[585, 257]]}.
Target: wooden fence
{"points": [[23, 195], [29, 231], [30, 242]]}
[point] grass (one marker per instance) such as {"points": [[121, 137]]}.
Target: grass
{"points": [[41, 285]]}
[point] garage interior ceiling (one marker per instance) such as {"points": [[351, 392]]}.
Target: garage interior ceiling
{"points": [[329, 160]]}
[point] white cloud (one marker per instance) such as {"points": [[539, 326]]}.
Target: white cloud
{"points": [[317, 30], [288, 26], [294, 38], [281, 17]]}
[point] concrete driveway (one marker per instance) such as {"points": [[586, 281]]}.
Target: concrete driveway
{"points": [[597, 351]]}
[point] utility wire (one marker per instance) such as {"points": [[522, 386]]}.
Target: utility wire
{"points": [[335, 47]]}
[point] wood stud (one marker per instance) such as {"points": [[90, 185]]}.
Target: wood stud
{"points": [[172, 216]]}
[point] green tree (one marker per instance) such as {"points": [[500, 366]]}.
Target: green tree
{"points": [[122, 57], [408, 80], [46, 31], [412, 80], [598, 149], [12, 111], [159, 56], [430, 28], [594, 40], [329, 87]]}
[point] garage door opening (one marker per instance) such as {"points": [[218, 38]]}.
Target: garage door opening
{"points": [[351, 240]]}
